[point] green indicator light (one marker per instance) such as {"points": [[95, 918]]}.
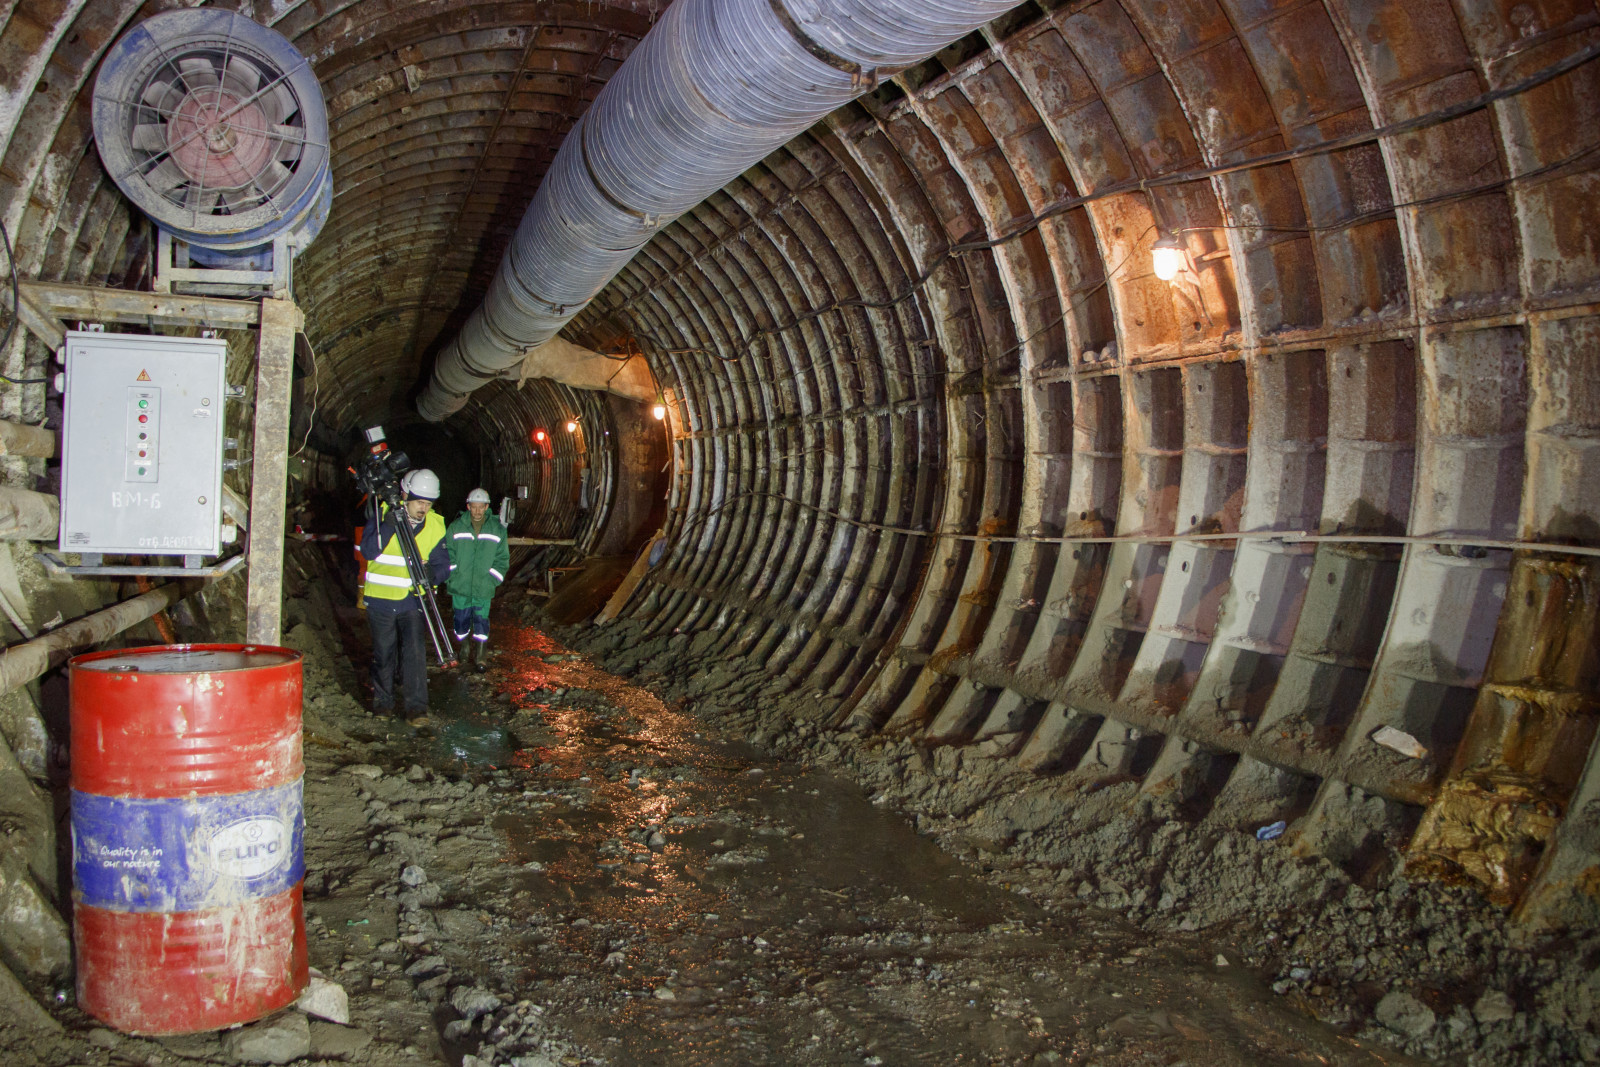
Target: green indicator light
{"points": [[141, 470], [144, 403]]}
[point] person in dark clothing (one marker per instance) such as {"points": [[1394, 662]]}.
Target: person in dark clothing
{"points": [[394, 611]]}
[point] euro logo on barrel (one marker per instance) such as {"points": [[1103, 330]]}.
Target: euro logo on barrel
{"points": [[250, 847]]}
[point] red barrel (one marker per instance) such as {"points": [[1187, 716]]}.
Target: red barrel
{"points": [[187, 835]]}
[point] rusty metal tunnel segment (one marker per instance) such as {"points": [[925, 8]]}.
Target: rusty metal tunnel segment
{"points": [[714, 87], [951, 467]]}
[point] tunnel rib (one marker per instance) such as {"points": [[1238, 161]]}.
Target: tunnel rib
{"points": [[1387, 329]]}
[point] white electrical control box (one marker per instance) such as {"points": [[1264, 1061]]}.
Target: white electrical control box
{"points": [[141, 460]]}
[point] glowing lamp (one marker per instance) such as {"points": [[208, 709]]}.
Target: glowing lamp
{"points": [[1167, 257], [538, 435], [572, 427], [659, 411]]}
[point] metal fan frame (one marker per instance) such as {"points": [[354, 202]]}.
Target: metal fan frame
{"points": [[163, 41]]}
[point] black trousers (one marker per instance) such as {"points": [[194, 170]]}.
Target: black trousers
{"points": [[397, 641]]}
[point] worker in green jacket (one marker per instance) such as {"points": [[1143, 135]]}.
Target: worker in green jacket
{"points": [[480, 555]]}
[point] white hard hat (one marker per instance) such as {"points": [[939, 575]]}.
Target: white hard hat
{"points": [[478, 496], [422, 483]]}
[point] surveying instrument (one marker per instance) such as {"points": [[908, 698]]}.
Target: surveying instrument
{"points": [[378, 476]]}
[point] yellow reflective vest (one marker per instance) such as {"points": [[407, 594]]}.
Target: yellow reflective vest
{"points": [[387, 576]]}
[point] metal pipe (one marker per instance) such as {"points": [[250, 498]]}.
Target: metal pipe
{"points": [[714, 87], [20, 439], [28, 516], [15, 616], [22, 663]]}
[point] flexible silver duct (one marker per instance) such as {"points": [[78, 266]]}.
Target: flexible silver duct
{"points": [[714, 86]]}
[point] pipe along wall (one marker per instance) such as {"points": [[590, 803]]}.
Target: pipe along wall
{"points": [[949, 461]]}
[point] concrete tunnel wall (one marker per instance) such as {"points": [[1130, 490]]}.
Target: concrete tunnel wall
{"points": [[949, 455]]}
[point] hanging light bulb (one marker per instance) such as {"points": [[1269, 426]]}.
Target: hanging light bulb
{"points": [[659, 411], [539, 435], [572, 426], [1167, 256]]}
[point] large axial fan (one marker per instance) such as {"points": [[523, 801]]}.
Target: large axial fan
{"points": [[215, 127]]}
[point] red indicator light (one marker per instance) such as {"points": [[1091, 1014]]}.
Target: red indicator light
{"points": [[144, 418]]}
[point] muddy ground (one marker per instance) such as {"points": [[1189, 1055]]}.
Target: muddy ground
{"points": [[566, 867], [1430, 969]]}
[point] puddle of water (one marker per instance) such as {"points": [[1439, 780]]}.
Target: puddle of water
{"points": [[710, 906], [464, 732]]}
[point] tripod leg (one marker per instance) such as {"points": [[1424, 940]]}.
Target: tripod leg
{"points": [[417, 567]]}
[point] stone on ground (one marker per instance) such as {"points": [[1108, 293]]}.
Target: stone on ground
{"points": [[325, 999], [33, 936], [22, 1007], [1405, 1014], [283, 1038], [1493, 1007], [473, 1001], [330, 1042]]}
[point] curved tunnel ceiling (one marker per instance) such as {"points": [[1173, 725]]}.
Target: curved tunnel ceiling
{"points": [[948, 453]]}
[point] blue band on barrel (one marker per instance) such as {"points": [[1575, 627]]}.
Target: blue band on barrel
{"points": [[186, 853]]}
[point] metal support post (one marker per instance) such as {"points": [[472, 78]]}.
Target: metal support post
{"points": [[270, 471]]}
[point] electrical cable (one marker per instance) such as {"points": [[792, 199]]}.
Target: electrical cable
{"points": [[1432, 118], [1083, 294], [16, 289], [1286, 536], [316, 388], [16, 309], [1077, 301]]}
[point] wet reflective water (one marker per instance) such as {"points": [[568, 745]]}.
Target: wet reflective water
{"points": [[682, 899]]}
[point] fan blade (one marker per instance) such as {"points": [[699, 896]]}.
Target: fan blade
{"points": [[157, 92], [239, 201], [280, 103], [273, 178], [242, 76], [202, 201], [166, 177], [150, 137], [289, 142], [199, 73]]}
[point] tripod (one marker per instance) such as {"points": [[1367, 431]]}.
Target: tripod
{"points": [[418, 568]]}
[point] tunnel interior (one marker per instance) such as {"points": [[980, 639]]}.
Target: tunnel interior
{"points": [[1305, 533]]}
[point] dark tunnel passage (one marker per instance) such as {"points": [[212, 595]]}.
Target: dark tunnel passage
{"points": [[460, 466], [1105, 572]]}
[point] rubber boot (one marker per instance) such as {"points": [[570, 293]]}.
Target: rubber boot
{"points": [[480, 657]]}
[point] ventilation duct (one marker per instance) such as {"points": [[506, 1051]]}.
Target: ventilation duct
{"points": [[714, 87]]}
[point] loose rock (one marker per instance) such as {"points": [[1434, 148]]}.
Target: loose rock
{"points": [[325, 999], [473, 1001], [32, 932], [1493, 1007], [330, 1042], [281, 1039], [1405, 1014]]}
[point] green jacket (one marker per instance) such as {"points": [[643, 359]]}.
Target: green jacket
{"points": [[478, 563]]}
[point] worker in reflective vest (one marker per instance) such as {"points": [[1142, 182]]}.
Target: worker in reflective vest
{"points": [[394, 612], [480, 555]]}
